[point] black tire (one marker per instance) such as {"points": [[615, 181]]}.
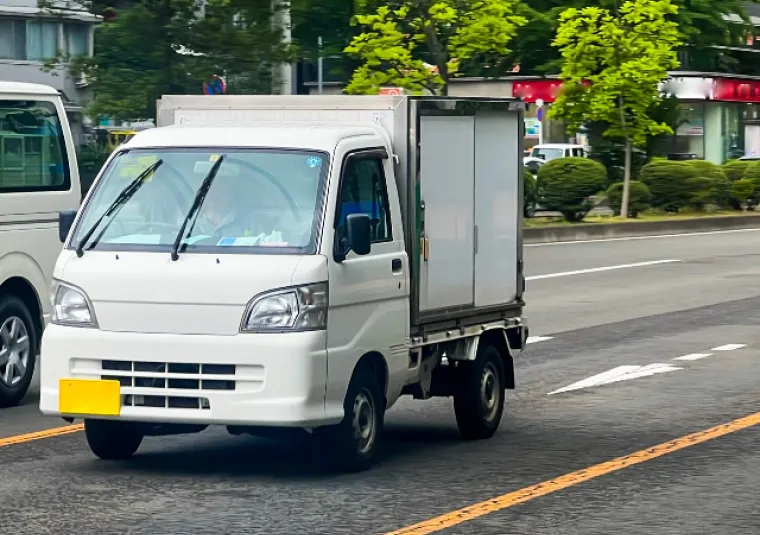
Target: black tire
{"points": [[112, 440], [14, 314], [479, 394], [343, 446]]}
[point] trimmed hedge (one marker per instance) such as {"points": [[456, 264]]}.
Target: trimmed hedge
{"points": [[530, 193], [735, 169], [639, 198], [670, 183], [710, 186], [565, 185]]}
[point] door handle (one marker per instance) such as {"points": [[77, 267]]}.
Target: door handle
{"points": [[396, 265]]}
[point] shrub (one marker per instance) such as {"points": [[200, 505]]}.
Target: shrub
{"points": [[639, 197], [669, 181], [612, 155], [752, 171], [567, 183], [90, 159], [530, 193], [744, 192], [710, 185], [735, 169]]}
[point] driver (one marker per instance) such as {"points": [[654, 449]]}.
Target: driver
{"points": [[222, 212]]}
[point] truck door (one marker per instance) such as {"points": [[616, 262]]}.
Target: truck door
{"points": [[368, 294]]}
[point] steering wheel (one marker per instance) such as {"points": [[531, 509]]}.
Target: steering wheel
{"points": [[273, 180]]}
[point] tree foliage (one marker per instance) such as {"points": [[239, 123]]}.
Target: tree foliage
{"points": [[702, 23], [419, 45], [146, 48], [613, 65]]}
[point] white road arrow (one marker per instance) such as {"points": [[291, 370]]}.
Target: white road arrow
{"points": [[621, 373]]}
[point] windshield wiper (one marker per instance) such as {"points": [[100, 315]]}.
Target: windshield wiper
{"points": [[195, 208], [118, 202]]}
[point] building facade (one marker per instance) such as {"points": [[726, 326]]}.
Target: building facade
{"points": [[32, 37]]}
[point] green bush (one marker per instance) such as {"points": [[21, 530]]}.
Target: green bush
{"points": [[639, 197], [669, 181], [711, 185], [753, 171], [744, 192], [735, 169], [530, 193], [612, 155], [565, 185]]}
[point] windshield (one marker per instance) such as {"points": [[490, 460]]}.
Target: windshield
{"points": [[547, 154], [260, 201]]}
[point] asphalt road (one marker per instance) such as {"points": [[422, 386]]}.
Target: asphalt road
{"points": [[704, 305]]}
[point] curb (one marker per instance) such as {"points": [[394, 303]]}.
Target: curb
{"points": [[601, 231]]}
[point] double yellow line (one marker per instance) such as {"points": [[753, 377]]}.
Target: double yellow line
{"points": [[517, 497]]}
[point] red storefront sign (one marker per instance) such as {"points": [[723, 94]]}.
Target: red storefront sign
{"points": [[733, 90], [531, 91]]}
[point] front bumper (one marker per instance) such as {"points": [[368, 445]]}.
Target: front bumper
{"points": [[247, 379]]}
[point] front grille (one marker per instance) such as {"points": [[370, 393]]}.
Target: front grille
{"points": [[167, 402], [170, 376]]}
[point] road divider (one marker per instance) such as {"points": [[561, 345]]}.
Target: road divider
{"points": [[38, 435], [597, 231], [551, 486], [599, 269]]}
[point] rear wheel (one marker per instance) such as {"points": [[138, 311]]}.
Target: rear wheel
{"points": [[351, 445], [479, 396], [18, 350], [111, 440]]}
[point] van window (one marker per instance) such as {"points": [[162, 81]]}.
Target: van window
{"points": [[547, 153], [32, 148], [364, 192]]}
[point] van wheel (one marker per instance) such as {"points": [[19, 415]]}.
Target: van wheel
{"points": [[18, 350], [111, 440], [351, 445], [479, 395]]}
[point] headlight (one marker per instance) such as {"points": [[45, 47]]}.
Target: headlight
{"points": [[71, 306], [294, 309]]}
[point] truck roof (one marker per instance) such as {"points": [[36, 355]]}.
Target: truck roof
{"points": [[32, 89], [310, 135]]}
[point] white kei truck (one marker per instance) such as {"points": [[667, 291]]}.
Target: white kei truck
{"points": [[297, 262]]}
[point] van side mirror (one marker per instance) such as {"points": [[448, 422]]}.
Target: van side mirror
{"points": [[65, 221], [358, 233]]}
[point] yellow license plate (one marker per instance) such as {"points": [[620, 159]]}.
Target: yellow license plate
{"points": [[92, 397]]}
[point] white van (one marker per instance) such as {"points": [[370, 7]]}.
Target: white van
{"points": [[293, 262], [38, 179]]}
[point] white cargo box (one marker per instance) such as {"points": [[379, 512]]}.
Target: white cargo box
{"points": [[459, 172]]}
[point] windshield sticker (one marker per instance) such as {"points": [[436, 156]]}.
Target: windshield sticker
{"points": [[314, 161], [135, 165], [213, 158]]}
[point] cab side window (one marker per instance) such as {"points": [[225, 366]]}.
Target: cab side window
{"points": [[363, 191]]}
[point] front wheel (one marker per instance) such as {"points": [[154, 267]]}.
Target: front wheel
{"points": [[18, 350], [351, 445], [111, 440], [479, 395]]}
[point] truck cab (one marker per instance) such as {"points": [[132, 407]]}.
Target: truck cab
{"points": [[265, 274]]}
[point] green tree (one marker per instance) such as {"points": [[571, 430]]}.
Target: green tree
{"points": [[147, 48], [702, 23], [614, 63], [420, 44]]}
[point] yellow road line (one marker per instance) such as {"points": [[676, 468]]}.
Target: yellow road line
{"points": [[38, 435], [574, 478]]}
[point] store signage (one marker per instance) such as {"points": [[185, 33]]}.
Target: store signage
{"points": [[735, 90]]}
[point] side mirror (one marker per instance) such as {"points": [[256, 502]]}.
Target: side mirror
{"points": [[358, 233], [65, 221]]}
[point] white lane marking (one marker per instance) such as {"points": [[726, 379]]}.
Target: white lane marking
{"points": [[621, 373], [694, 356], [534, 339], [728, 347], [648, 237], [599, 269]]}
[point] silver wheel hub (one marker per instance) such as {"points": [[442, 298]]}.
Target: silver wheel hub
{"points": [[364, 421], [14, 351], [489, 391]]}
